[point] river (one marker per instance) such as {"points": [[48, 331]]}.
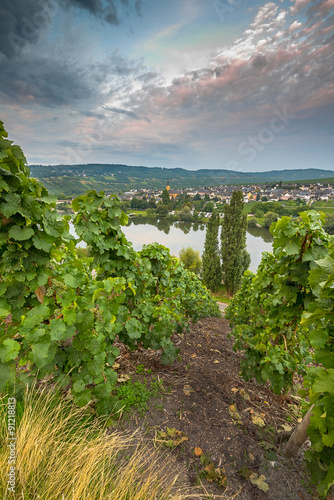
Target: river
{"points": [[177, 235]]}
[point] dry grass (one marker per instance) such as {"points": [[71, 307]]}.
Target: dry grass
{"points": [[62, 456]]}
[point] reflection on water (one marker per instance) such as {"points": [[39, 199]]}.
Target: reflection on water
{"points": [[176, 235], [261, 232]]}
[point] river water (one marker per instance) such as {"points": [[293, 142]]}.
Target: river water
{"points": [[177, 235]]}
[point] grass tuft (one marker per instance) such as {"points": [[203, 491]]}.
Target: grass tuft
{"points": [[63, 455]]}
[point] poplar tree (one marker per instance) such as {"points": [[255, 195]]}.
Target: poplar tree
{"points": [[235, 258], [211, 275]]}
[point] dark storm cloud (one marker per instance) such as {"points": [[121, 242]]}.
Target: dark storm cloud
{"points": [[54, 81], [46, 81], [22, 21]]}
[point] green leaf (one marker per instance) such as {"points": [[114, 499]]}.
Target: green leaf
{"points": [[324, 381], [325, 356], [133, 328], [6, 376], [20, 234], [29, 323], [11, 204], [328, 439], [4, 308], [58, 330], [43, 353], [292, 248], [9, 350], [71, 281], [324, 485], [79, 386], [318, 338], [112, 355], [83, 398], [43, 241]]}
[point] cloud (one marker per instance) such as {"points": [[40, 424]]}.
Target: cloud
{"points": [[126, 112], [22, 22], [283, 60], [38, 79]]}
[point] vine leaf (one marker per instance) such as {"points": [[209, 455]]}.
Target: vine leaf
{"points": [[20, 234], [234, 413], [198, 452], [259, 481]]}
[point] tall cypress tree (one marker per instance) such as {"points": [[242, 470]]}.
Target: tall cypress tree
{"points": [[235, 258], [212, 276]]}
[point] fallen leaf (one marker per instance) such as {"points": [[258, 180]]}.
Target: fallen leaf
{"points": [[244, 395], [234, 389], [215, 350], [216, 361], [216, 475], [286, 427], [187, 390], [123, 378], [171, 431], [245, 472], [198, 452], [115, 366], [193, 355], [257, 420], [259, 481], [251, 456], [267, 446], [234, 413], [270, 455], [171, 438]]}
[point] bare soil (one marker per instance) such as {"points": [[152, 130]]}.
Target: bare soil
{"points": [[199, 391]]}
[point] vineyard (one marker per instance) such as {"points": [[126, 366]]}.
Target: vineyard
{"points": [[63, 317], [282, 320]]}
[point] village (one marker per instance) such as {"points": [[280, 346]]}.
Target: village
{"points": [[260, 192]]}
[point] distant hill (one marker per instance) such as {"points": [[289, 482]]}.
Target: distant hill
{"points": [[73, 180]]}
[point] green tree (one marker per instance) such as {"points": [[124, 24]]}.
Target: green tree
{"points": [[209, 207], [165, 197], [191, 259], [185, 214], [152, 203], [212, 275], [162, 210], [269, 218], [252, 222], [235, 258]]}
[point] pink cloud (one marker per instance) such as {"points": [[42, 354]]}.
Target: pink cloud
{"points": [[299, 4]]}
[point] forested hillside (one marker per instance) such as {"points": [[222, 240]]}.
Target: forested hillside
{"points": [[73, 180]]}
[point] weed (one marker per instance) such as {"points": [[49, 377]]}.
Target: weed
{"points": [[134, 395], [137, 394]]}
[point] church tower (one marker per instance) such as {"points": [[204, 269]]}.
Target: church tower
{"points": [[167, 185]]}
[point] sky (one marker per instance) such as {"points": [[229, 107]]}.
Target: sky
{"points": [[243, 85]]}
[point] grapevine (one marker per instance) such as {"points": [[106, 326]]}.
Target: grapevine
{"points": [[60, 316], [283, 311]]}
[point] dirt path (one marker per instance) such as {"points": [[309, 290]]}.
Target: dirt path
{"points": [[222, 306], [210, 409]]}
